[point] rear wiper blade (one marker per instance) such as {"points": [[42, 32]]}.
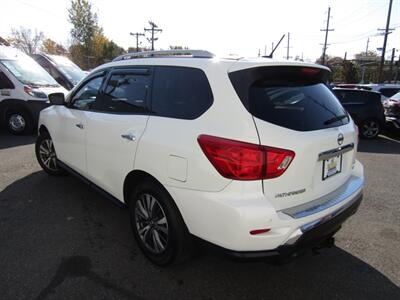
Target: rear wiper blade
{"points": [[335, 119]]}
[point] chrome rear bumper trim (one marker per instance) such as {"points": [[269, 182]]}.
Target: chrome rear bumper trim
{"points": [[335, 152], [351, 188]]}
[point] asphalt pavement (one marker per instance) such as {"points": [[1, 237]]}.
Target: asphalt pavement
{"points": [[59, 239]]}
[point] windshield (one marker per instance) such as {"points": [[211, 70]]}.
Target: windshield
{"points": [[29, 72], [68, 68]]}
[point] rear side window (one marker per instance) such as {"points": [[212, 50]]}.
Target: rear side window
{"points": [[292, 97], [180, 92], [5, 83], [126, 93]]}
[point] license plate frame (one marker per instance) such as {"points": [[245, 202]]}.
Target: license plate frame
{"points": [[332, 166]]}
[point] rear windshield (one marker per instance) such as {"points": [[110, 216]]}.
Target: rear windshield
{"points": [[293, 97]]}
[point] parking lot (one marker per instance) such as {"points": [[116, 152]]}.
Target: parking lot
{"points": [[61, 240]]}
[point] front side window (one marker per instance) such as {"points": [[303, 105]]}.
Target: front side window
{"points": [[180, 92], [86, 96], [126, 93]]}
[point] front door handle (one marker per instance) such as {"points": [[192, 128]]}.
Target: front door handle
{"points": [[79, 125], [129, 136]]}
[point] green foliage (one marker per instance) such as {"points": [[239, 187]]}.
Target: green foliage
{"points": [[51, 47], [177, 47], [83, 20], [90, 47], [350, 72]]}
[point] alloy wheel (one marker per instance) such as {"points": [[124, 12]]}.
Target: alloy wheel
{"points": [[151, 223], [47, 154], [370, 129]]}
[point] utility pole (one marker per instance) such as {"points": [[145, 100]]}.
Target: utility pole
{"points": [[154, 29], [288, 46], [137, 35], [265, 50], [326, 35], [397, 70], [391, 64], [384, 42], [345, 56], [366, 49]]}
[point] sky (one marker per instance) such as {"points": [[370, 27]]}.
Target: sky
{"points": [[222, 27]]}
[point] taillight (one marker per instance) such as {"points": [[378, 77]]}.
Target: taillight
{"points": [[245, 161]]}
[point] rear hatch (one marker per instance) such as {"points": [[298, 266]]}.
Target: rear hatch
{"points": [[294, 109]]}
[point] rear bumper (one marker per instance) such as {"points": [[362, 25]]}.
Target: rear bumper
{"points": [[316, 235], [226, 218]]}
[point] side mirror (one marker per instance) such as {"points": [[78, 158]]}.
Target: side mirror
{"points": [[57, 99]]}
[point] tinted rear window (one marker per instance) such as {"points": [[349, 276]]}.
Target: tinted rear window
{"points": [[180, 92], [292, 97]]}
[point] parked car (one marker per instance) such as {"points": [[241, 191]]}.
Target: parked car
{"points": [[24, 87], [63, 70], [392, 110], [386, 90], [365, 107], [254, 156]]}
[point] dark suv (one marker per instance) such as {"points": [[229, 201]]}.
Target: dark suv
{"points": [[365, 107]]}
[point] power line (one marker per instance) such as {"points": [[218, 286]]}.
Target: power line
{"points": [[351, 19], [326, 35], [154, 29]]}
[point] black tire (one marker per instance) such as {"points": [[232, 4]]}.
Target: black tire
{"points": [[43, 144], [370, 128], [19, 122], [178, 241]]}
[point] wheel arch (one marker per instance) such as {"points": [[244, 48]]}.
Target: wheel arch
{"points": [[135, 177], [8, 105], [43, 129]]}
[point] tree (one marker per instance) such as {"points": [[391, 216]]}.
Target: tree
{"points": [[4, 42], [51, 47], [90, 47], [350, 72], [141, 49], [369, 56], [102, 50], [176, 47], [24, 40], [84, 22]]}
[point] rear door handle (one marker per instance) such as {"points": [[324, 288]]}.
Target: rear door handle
{"points": [[129, 136], [79, 125]]}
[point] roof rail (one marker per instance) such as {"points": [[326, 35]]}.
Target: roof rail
{"points": [[166, 53]]}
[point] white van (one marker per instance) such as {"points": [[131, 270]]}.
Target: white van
{"points": [[24, 90]]}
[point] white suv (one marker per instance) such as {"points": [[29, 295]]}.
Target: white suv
{"points": [[254, 156]]}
